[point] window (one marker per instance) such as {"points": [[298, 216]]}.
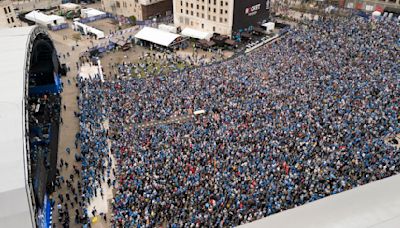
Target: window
{"points": [[213, 28], [215, 2], [226, 11], [197, 6], [214, 18], [191, 5], [118, 4], [215, 10], [209, 9], [208, 17], [222, 3], [5, 10], [187, 12], [181, 19], [181, 3], [9, 9], [226, 3], [221, 11], [191, 13], [181, 10], [197, 14], [202, 26], [8, 20], [187, 4], [202, 7], [202, 15], [12, 19], [209, 1], [220, 20], [226, 19]]}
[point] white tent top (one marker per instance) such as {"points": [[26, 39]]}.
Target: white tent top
{"points": [[14, 205], [90, 12], [196, 34], [156, 36], [374, 205], [168, 28], [44, 19], [376, 14], [86, 28], [70, 6]]}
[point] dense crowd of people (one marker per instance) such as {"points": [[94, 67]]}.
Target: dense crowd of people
{"points": [[292, 122], [160, 64]]}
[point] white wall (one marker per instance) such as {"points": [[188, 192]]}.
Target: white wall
{"points": [[203, 19]]}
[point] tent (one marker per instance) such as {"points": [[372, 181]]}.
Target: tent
{"points": [[86, 30], [270, 26], [64, 8], [43, 19], [196, 34], [89, 12], [156, 36], [168, 28], [376, 14]]}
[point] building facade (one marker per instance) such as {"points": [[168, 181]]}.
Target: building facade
{"points": [[372, 5], [140, 9], [8, 18], [220, 16]]}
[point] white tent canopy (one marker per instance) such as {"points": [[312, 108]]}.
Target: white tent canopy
{"points": [[86, 29], [270, 26], [376, 14], [168, 28], [69, 6], [376, 205], [156, 36], [14, 199], [43, 19], [196, 34], [89, 12]]}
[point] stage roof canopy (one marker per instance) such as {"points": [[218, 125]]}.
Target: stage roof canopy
{"points": [[156, 36], [374, 205], [14, 205]]}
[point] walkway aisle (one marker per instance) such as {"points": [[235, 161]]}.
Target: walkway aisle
{"points": [[68, 130], [103, 204]]}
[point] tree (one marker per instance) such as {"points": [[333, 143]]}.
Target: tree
{"points": [[133, 20]]}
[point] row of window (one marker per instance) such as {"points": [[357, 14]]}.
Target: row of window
{"points": [[221, 11], [209, 17], [209, 2], [391, 1], [191, 23], [124, 4], [5, 10], [10, 21]]}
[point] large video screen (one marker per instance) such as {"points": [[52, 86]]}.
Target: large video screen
{"points": [[248, 13]]}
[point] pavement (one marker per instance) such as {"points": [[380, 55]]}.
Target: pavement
{"points": [[70, 127]]}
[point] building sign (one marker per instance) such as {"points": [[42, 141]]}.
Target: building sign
{"points": [[251, 11], [248, 13]]}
